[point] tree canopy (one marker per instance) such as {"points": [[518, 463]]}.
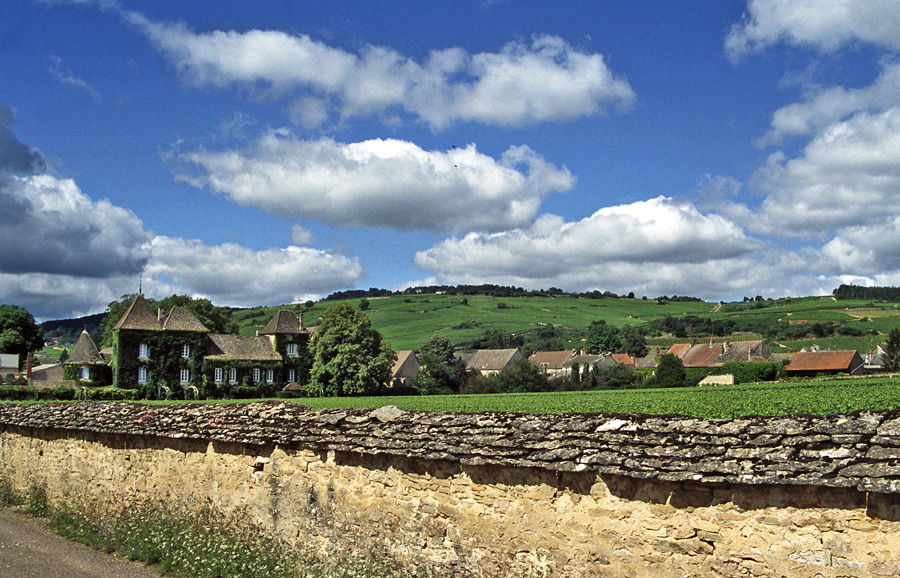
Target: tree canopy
{"points": [[19, 334], [891, 355], [670, 371], [441, 371], [349, 356], [602, 338]]}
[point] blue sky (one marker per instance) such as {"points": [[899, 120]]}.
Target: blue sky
{"points": [[263, 153]]}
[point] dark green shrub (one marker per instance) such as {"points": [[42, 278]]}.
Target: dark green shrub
{"points": [[16, 392], [63, 392], [245, 392], [112, 394]]}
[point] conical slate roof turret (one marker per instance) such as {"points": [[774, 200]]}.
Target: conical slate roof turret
{"points": [[85, 350]]}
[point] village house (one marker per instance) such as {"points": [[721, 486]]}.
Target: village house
{"points": [[715, 354], [405, 369], [554, 362], [488, 361], [827, 362]]}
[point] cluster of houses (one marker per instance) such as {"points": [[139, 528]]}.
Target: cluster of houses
{"points": [[807, 362], [174, 347]]}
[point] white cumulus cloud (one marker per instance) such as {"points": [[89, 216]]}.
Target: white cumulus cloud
{"points": [[824, 25], [233, 275], [847, 176], [656, 246], [543, 80], [382, 183]]}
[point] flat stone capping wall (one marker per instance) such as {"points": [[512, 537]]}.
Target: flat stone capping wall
{"points": [[496, 494], [859, 450]]}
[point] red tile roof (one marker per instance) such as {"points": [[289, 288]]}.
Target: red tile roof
{"points": [[842, 360]]}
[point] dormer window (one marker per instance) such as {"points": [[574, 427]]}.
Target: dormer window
{"points": [[185, 351], [143, 351], [292, 349]]}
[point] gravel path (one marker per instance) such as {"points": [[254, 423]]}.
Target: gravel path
{"points": [[30, 549]]}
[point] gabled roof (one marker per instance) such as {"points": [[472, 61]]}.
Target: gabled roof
{"points": [[702, 355], [679, 349], [407, 363], [649, 360], [138, 316], [841, 360], [180, 318], [85, 350], [553, 359], [492, 359], [623, 358], [241, 347], [745, 351], [283, 322], [586, 359]]}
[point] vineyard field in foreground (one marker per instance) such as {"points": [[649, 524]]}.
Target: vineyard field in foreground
{"points": [[821, 397]]}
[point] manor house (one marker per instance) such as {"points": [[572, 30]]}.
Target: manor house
{"points": [[176, 352]]}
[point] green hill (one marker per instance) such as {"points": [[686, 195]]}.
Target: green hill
{"points": [[407, 321]]}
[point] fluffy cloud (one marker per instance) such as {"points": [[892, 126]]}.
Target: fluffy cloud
{"points": [[233, 275], [16, 157], [825, 107], [825, 26], [847, 176], [65, 254], [656, 246], [47, 225], [382, 183], [544, 80]]}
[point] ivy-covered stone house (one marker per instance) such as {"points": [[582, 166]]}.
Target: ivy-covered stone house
{"points": [[172, 354], [86, 364]]}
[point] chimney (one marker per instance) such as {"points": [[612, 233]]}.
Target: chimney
{"points": [[300, 318], [28, 364], [159, 314]]}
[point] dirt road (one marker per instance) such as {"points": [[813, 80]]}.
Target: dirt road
{"points": [[29, 549]]}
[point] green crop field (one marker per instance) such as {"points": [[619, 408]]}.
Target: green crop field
{"points": [[820, 397]]}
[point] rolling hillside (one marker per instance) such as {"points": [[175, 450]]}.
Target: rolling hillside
{"points": [[408, 320]]}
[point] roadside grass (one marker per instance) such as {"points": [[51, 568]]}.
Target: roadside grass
{"points": [[190, 543]]}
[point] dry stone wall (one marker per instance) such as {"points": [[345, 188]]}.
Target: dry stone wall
{"points": [[498, 494]]}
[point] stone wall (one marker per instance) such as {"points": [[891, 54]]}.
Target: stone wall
{"points": [[498, 494]]}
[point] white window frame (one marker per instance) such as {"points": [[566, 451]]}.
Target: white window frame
{"points": [[257, 375], [270, 375], [143, 351], [292, 349], [84, 372], [291, 374], [232, 375], [185, 351], [185, 375], [218, 375], [143, 375]]}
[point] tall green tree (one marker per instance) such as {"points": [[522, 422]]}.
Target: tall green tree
{"points": [[441, 371], [670, 371], [349, 356], [19, 333], [602, 338], [891, 348]]}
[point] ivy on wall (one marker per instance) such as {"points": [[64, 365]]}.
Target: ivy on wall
{"points": [[164, 363]]}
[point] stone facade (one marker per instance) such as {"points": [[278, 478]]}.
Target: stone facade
{"points": [[499, 494]]}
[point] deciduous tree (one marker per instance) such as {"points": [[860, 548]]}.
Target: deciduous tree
{"points": [[349, 356], [19, 333]]}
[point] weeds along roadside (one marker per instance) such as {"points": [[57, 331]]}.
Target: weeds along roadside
{"points": [[182, 542]]}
